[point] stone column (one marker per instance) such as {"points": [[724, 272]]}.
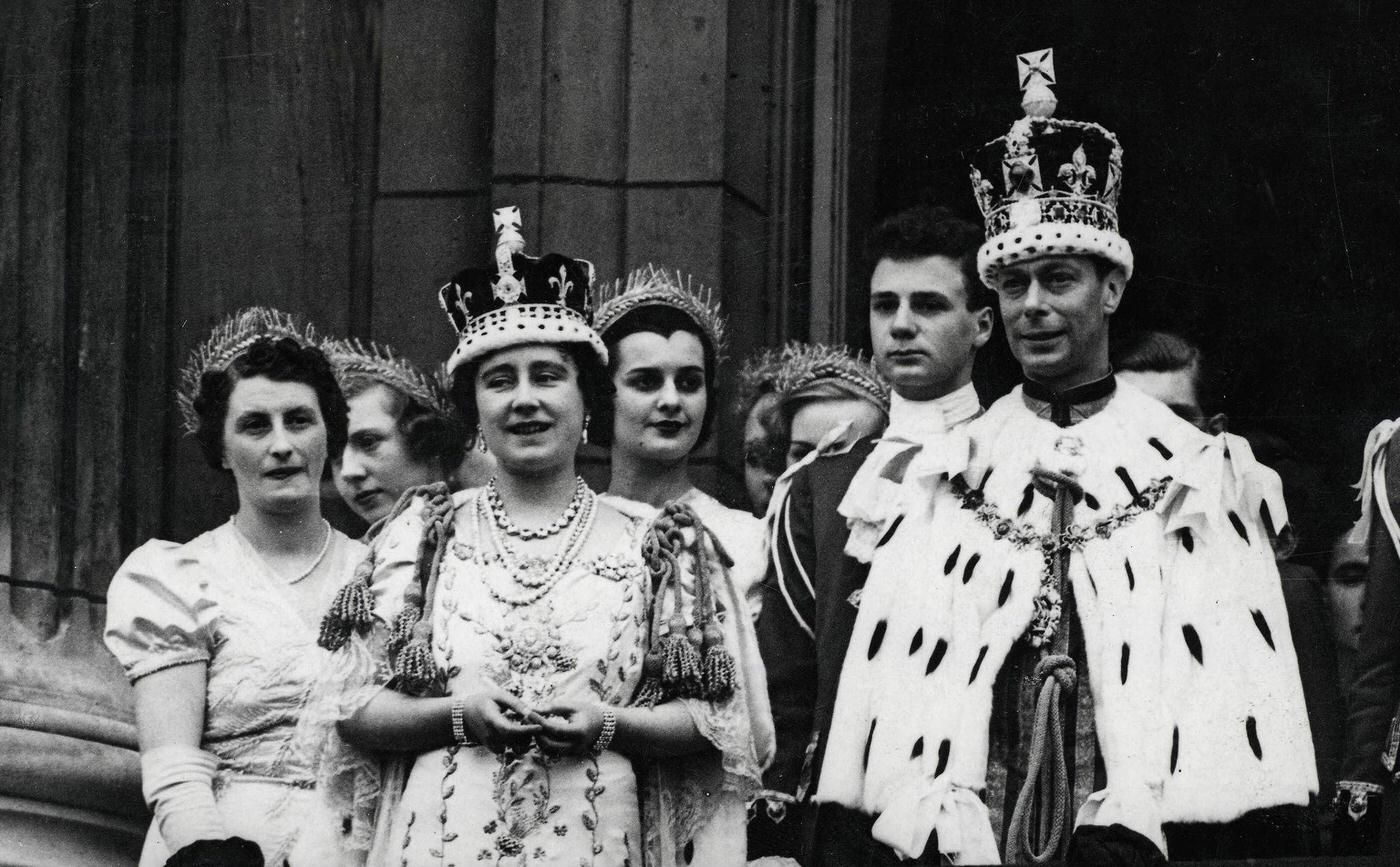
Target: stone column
{"points": [[636, 131], [69, 780]]}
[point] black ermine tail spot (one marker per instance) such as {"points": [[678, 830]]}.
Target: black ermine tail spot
{"points": [[918, 748], [1127, 482], [876, 639], [1267, 518], [977, 666], [865, 756], [943, 750], [1091, 501], [1239, 526], [1128, 567], [952, 561], [917, 641], [689, 851], [889, 534], [970, 567], [1176, 746], [1263, 626], [982, 485], [1193, 641], [1026, 499], [1005, 593], [1161, 449], [936, 657], [1184, 534], [1123, 664], [1251, 731]]}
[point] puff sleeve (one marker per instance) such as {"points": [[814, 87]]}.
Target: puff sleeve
{"points": [[159, 611]]}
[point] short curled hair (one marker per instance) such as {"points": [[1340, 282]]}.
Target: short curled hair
{"points": [[280, 360], [926, 230], [593, 381], [433, 437], [665, 321], [1151, 351]]}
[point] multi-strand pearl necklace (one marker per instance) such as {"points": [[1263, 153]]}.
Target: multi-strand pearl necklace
{"points": [[537, 575], [510, 528]]}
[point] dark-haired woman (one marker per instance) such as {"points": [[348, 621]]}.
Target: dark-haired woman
{"points": [[403, 429], [218, 635], [665, 336], [517, 620]]}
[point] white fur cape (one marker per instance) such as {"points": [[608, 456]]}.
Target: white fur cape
{"points": [[1197, 702]]}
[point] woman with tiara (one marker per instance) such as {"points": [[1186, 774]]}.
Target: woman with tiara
{"points": [[556, 666], [403, 429], [665, 340], [218, 635]]}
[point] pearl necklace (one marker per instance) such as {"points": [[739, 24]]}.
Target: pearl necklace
{"points": [[325, 546], [503, 519], [553, 570]]}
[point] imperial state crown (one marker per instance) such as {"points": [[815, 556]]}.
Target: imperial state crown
{"points": [[1049, 186]]}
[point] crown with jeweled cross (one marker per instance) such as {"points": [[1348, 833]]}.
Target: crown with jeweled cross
{"points": [[520, 299], [1049, 186]]}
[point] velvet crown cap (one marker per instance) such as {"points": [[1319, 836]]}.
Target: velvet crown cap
{"points": [[1049, 186], [521, 299]]}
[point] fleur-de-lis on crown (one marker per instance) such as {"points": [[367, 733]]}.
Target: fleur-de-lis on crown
{"points": [[1077, 174], [562, 284]]}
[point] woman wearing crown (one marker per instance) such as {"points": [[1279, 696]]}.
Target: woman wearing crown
{"points": [[537, 642], [218, 635]]}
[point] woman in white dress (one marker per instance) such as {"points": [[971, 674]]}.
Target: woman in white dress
{"points": [[665, 339], [526, 642], [218, 635]]}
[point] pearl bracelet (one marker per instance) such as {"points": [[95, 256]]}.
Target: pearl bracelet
{"points": [[459, 721], [605, 734]]}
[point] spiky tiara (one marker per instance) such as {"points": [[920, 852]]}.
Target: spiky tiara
{"points": [[227, 341], [360, 361], [653, 286], [800, 365]]}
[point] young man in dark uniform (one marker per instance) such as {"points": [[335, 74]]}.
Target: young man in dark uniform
{"points": [[929, 314]]}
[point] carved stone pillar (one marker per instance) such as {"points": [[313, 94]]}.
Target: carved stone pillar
{"points": [[69, 778], [636, 131]]}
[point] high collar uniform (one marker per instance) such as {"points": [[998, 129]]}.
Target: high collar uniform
{"points": [[1090, 539]]}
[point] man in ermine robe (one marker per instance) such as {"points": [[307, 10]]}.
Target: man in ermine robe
{"points": [[1073, 644]]}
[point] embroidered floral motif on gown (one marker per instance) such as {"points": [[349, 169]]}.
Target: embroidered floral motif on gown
{"points": [[584, 639], [212, 600]]}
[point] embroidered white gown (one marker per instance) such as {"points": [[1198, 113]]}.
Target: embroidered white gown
{"points": [[581, 640], [213, 600]]}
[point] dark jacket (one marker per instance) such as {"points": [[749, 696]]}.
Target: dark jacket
{"points": [[803, 670], [1375, 690]]}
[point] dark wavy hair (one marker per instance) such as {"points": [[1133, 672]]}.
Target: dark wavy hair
{"points": [[665, 321], [593, 379], [926, 230], [433, 437], [280, 360]]}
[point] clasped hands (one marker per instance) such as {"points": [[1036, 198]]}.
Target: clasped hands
{"points": [[499, 721]]}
